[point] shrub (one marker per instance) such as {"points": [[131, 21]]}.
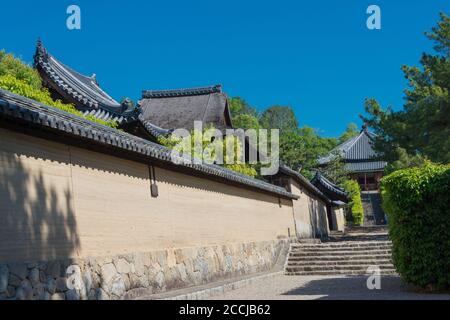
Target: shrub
{"points": [[417, 203], [355, 203], [208, 150], [21, 79], [9, 65]]}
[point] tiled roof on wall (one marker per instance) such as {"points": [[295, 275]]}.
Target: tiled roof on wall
{"points": [[33, 114], [303, 181], [333, 191]]}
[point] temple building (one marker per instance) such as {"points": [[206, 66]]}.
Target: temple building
{"points": [[362, 162]]}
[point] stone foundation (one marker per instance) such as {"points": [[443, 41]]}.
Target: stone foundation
{"points": [[131, 275]]}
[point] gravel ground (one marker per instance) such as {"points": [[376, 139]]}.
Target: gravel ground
{"points": [[326, 287]]}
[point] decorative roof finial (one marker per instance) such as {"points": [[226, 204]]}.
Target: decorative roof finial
{"points": [[94, 78], [41, 52], [364, 127]]}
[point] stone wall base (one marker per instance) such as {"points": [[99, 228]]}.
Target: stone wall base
{"points": [[130, 275]]}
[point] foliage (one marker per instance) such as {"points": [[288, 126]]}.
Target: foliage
{"points": [[9, 65], [8, 82], [209, 147], [246, 121], [404, 160], [423, 126], [417, 202], [335, 170], [239, 106], [279, 117], [350, 132], [299, 147], [302, 147], [355, 204]]}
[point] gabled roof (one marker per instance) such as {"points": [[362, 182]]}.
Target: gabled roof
{"points": [[82, 91], [332, 191], [20, 112], [357, 149], [174, 109]]}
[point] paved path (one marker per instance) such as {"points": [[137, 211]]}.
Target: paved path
{"points": [[326, 287]]}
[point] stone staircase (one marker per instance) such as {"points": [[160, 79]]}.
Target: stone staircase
{"points": [[373, 212], [349, 253]]}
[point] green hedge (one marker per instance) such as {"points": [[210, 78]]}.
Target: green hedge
{"points": [[355, 203], [417, 203]]}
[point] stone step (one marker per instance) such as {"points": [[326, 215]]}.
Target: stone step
{"points": [[362, 268], [339, 249], [340, 263], [340, 258], [338, 272], [340, 253], [342, 244]]}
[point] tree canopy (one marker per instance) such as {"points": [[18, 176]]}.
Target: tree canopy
{"points": [[300, 147], [422, 128]]}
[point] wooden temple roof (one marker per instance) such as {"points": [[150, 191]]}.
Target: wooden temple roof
{"points": [[82, 91], [358, 153]]}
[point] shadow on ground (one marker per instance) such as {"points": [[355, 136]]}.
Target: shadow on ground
{"points": [[342, 288]]}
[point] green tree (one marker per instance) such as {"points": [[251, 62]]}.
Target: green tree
{"points": [[239, 106], [335, 170], [301, 148], [422, 127], [246, 121], [279, 117], [350, 132]]}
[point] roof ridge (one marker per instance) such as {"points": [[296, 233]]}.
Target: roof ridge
{"points": [[148, 94]]}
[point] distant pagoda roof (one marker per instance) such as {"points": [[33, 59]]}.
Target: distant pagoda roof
{"points": [[82, 91], [330, 189], [179, 108], [358, 153]]}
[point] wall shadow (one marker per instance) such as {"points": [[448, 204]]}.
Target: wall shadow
{"points": [[37, 221]]}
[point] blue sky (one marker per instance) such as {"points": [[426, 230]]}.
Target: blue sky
{"points": [[315, 56]]}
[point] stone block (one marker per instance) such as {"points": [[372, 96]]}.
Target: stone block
{"points": [[53, 269], [108, 273], [4, 276], [18, 269], [122, 265]]}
